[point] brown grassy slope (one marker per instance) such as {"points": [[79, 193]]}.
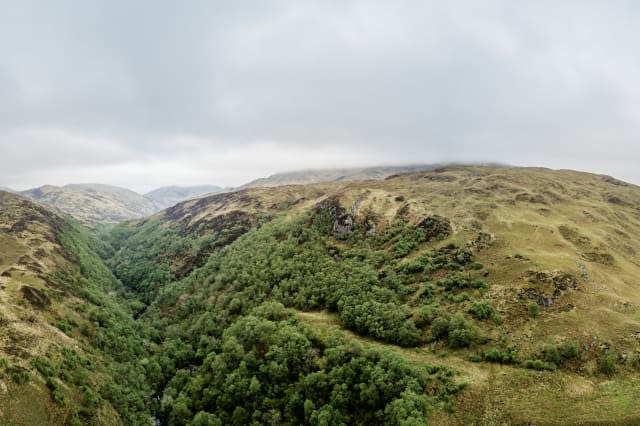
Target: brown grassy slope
{"points": [[311, 176], [568, 237]]}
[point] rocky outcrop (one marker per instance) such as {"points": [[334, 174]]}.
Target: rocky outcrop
{"points": [[436, 227]]}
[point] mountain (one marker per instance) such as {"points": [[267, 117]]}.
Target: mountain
{"points": [[327, 175], [94, 204], [5, 189], [460, 295], [66, 326], [170, 195]]}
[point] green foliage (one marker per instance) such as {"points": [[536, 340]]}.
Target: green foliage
{"points": [[217, 340], [481, 310], [608, 362], [569, 349], [475, 358], [533, 310], [425, 315], [19, 375], [559, 354], [501, 356], [550, 354], [205, 419], [384, 321], [457, 298], [537, 364], [459, 281], [269, 366], [114, 335], [44, 366], [458, 332], [67, 324], [56, 392], [409, 240]]}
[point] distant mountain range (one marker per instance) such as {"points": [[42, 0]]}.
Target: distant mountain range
{"points": [[168, 196], [94, 204], [303, 177], [4, 188], [97, 204]]}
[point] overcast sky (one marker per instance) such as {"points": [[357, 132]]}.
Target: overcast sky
{"points": [[149, 93]]}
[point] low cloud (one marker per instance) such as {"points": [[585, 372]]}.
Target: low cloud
{"points": [[154, 93]]}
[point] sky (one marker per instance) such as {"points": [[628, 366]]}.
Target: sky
{"points": [[143, 93]]}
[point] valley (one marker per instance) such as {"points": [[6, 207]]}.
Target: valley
{"points": [[456, 295]]}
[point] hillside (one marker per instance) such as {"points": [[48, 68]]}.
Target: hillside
{"points": [[503, 296], [66, 330], [168, 196], [94, 204], [303, 177]]}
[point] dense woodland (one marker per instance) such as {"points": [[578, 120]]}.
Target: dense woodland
{"points": [[205, 331]]}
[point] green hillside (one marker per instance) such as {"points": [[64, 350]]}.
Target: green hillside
{"points": [[519, 284], [463, 295], [68, 336]]}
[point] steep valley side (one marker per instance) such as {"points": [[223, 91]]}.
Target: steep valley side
{"points": [[517, 288], [462, 295]]}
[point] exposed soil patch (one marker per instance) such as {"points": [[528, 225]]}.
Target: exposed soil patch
{"points": [[35, 296], [531, 198], [600, 257], [574, 237]]}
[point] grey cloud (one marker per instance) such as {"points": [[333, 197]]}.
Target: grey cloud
{"points": [[108, 83]]}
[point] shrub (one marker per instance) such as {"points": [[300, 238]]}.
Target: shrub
{"points": [[56, 393], [537, 364], [550, 354], [569, 349], [425, 315], [507, 356], [457, 298], [608, 362], [481, 310], [426, 293], [478, 284], [44, 366], [19, 376], [440, 327], [461, 333], [533, 310], [462, 337], [474, 358]]}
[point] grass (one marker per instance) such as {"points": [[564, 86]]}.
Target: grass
{"points": [[539, 220], [500, 394], [563, 217]]}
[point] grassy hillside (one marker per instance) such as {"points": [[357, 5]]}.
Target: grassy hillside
{"points": [[515, 290], [67, 336], [94, 204], [303, 177], [463, 295]]}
